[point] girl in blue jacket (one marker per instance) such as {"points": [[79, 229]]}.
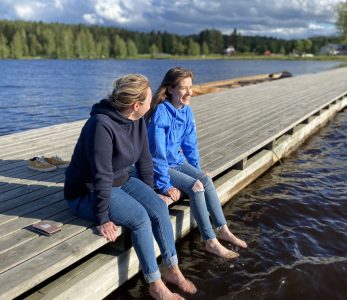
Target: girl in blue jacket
{"points": [[98, 187], [174, 148]]}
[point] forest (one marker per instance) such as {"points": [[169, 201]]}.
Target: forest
{"points": [[21, 39]]}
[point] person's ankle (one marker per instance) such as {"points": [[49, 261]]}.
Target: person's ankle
{"points": [[211, 242], [224, 229]]}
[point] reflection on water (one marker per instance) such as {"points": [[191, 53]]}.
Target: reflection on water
{"points": [[295, 223]]}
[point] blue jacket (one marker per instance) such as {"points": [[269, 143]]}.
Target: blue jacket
{"points": [[108, 145], [171, 130]]}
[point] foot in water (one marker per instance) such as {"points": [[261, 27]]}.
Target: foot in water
{"points": [[174, 276], [215, 247], [159, 291], [226, 235]]}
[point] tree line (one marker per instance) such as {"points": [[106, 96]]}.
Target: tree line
{"points": [[20, 39]]}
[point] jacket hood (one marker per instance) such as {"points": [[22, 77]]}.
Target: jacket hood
{"points": [[104, 107]]}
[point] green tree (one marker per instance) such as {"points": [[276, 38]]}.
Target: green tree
{"points": [[307, 45], [315, 49], [90, 44], [193, 48], [214, 40], [205, 50], [283, 50], [299, 46], [273, 46], [131, 47], [66, 43], [234, 39], [16, 46], [80, 45], [103, 48], [341, 22], [35, 48], [168, 41], [179, 48], [153, 49], [4, 49], [49, 43], [119, 47], [261, 48]]}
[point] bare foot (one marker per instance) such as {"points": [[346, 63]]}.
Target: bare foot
{"points": [[159, 291], [215, 247], [226, 235], [174, 276]]}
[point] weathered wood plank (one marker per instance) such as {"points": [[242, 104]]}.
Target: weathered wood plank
{"points": [[31, 186], [49, 263], [279, 123], [19, 223], [19, 237], [31, 206], [41, 243]]}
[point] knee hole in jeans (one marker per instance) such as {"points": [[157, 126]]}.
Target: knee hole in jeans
{"points": [[198, 187]]}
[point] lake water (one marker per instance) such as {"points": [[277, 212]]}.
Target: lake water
{"points": [[38, 93], [295, 222]]}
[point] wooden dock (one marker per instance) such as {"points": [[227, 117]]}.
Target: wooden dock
{"points": [[242, 132]]}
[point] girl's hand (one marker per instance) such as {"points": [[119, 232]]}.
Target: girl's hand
{"points": [[108, 230], [166, 199], [207, 173], [174, 193]]}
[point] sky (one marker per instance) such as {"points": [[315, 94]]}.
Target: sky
{"points": [[289, 19]]}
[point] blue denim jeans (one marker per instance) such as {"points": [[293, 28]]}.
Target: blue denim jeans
{"points": [[137, 207], [202, 202]]}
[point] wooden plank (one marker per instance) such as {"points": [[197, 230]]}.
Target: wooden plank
{"points": [[232, 118], [23, 235], [24, 199], [30, 207], [228, 110], [43, 179], [254, 93], [41, 243], [40, 141], [19, 223], [40, 132], [31, 186], [48, 263], [281, 121]]}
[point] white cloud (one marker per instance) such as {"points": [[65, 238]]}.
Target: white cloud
{"points": [[121, 12], [58, 5], [24, 11], [92, 19]]}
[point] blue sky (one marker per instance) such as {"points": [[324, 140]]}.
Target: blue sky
{"points": [[277, 18]]}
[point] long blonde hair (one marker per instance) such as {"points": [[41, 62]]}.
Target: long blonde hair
{"points": [[128, 90], [171, 79]]}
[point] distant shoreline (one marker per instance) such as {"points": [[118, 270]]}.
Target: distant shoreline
{"points": [[342, 58]]}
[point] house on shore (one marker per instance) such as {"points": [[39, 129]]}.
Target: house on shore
{"points": [[333, 49], [230, 50]]}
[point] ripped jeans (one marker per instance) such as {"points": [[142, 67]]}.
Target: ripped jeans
{"points": [[203, 199]]}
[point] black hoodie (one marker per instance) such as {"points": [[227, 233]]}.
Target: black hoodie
{"points": [[108, 145]]}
